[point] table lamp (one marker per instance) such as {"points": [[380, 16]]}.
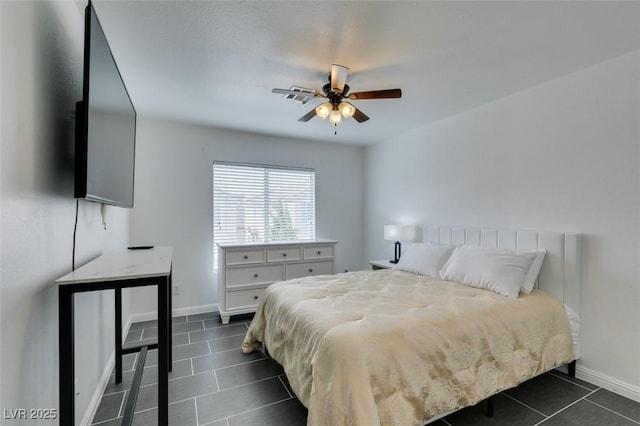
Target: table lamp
{"points": [[405, 233]]}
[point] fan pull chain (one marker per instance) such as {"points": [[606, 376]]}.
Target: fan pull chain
{"points": [[335, 129]]}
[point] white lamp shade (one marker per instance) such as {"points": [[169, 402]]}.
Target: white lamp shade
{"points": [[408, 233], [392, 232], [411, 233]]}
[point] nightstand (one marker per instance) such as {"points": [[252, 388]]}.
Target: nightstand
{"points": [[381, 264]]}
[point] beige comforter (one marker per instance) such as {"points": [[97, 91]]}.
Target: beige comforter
{"points": [[393, 348]]}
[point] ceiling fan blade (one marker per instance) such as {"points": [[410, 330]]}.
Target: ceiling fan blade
{"points": [[308, 116], [360, 116], [376, 94], [338, 77], [296, 93]]}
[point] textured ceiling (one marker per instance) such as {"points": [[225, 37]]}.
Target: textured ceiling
{"points": [[215, 63]]}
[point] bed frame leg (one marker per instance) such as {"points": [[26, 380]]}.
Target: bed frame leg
{"points": [[490, 407], [572, 368]]}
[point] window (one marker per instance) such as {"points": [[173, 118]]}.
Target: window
{"points": [[257, 203]]}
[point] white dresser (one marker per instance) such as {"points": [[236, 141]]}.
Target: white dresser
{"points": [[245, 270]]}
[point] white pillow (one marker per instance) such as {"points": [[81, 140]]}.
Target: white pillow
{"points": [[497, 270], [425, 259], [532, 275]]}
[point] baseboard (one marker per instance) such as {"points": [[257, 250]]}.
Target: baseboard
{"points": [[191, 310], [609, 383], [90, 413]]}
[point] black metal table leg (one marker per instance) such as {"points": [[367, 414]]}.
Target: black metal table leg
{"points": [[118, 327], [169, 328], [163, 353], [127, 418], [66, 355]]}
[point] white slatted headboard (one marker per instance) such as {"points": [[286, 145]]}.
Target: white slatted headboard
{"points": [[560, 273]]}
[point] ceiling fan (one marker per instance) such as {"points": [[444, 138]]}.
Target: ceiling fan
{"points": [[336, 91]]}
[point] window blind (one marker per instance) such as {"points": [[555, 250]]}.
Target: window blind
{"points": [[257, 203]]}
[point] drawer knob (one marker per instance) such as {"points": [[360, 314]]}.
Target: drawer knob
{"points": [[319, 252], [255, 297], [245, 257], [310, 270], [255, 275], [284, 254]]}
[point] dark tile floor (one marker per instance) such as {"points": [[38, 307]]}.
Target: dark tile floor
{"points": [[214, 384]]}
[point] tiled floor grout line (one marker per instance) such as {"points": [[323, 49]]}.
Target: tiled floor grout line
{"points": [[285, 386], [104, 422], [213, 421], [135, 362], [237, 386], [148, 409], [204, 394], [243, 363], [215, 376], [226, 337], [156, 383], [565, 407], [148, 384], [612, 411], [256, 408], [217, 338], [226, 350], [214, 353], [569, 381], [121, 409], [195, 402], [233, 365], [525, 405], [155, 407]]}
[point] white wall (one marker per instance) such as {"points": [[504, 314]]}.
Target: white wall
{"points": [[41, 79], [174, 197], [561, 156]]}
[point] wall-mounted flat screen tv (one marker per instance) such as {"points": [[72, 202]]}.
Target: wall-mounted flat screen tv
{"points": [[105, 125]]}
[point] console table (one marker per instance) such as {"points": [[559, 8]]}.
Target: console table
{"points": [[115, 271]]}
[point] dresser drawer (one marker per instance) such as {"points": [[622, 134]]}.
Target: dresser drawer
{"points": [[298, 270], [244, 298], [318, 252], [245, 257], [283, 254], [254, 275]]}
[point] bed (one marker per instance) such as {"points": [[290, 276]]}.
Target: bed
{"points": [[391, 347]]}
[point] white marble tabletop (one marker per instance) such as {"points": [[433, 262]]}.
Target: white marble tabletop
{"points": [[123, 265]]}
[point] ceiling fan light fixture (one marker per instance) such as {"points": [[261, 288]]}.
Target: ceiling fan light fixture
{"points": [[335, 117], [336, 92], [323, 110], [347, 110]]}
